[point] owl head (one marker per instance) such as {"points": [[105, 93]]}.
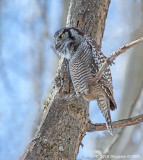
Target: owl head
{"points": [[67, 41]]}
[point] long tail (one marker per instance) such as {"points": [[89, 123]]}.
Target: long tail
{"points": [[104, 105]]}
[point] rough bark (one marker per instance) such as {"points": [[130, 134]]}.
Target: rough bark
{"points": [[65, 121]]}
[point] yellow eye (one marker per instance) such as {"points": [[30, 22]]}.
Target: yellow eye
{"points": [[63, 35]]}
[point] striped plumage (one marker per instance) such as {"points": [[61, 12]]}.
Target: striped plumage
{"points": [[85, 61], [79, 69]]}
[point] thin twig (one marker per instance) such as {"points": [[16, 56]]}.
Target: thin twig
{"points": [[115, 124], [113, 56]]}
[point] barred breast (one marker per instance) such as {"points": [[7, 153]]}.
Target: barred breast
{"points": [[80, 72]]}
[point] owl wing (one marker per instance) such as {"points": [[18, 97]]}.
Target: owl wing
{"points": [[106, 79]]}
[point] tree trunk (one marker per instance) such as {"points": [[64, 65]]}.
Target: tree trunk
{"points": [[65, 120]]}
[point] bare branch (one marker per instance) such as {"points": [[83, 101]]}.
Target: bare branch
{"points": [[120, 123], [112, 57]]}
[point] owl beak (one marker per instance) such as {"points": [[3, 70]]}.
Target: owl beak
{"points": [[56, 41]]}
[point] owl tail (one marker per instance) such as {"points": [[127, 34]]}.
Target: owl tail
{"points": [[104, 105]]}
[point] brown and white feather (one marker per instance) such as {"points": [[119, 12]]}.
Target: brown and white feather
{"points": [[85, 60]]}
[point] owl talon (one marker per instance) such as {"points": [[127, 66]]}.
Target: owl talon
{"points": [[110, 62]]}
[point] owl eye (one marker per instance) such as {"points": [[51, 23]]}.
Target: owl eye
{"points": [[62, 35]]}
